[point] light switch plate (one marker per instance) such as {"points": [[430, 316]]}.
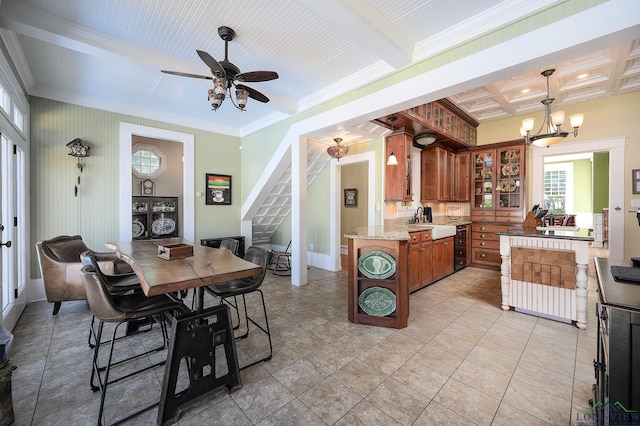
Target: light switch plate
{"points": [[635, 202]]}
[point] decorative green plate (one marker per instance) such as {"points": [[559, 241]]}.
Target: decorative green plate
{"points": [[377, 301], [377, 264]]}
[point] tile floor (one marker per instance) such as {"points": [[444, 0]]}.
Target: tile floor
{"points": [[461, 361]]}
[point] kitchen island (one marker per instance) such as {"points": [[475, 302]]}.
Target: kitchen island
{"points": [[544, 272], [379, 270]]}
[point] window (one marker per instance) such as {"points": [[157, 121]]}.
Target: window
{"points": [[18, 120], [558, 188], [147, 161], [5, 100]]}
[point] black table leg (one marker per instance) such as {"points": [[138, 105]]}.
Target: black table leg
{"points": [[194, 340]]}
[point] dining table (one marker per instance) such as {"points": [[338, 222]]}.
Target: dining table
{"points": [[196, 337]]}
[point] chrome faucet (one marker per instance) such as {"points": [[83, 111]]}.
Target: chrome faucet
{"points": [[416, 217]]}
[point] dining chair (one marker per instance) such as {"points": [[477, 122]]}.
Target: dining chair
{"points": [[242, 287], [230, 244], [116, 284], [121, 309], [280, 262]]}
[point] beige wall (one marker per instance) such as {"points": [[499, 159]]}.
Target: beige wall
{"points": [[606, 118], [354, 176]]}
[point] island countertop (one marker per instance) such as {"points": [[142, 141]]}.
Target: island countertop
{"points": [[530, 231], [400, 231]]}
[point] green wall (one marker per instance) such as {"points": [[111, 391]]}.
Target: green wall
{"points": [[600, 181], [94, 213]]}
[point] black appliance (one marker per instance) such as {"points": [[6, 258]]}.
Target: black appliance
{"points": [[428, 214], [460, 247]]}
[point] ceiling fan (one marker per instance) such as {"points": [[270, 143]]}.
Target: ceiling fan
{"points": [[226, 75]]}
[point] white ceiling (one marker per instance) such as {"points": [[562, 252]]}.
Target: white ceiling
{"points": [[108, 54]]}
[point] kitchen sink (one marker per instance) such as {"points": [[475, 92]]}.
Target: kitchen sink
{"points": [[442, 231]]}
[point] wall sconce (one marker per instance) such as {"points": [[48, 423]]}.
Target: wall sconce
{"points": [[79, 149]]}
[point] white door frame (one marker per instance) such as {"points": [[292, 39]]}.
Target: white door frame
{"points": [[616, 149], [334, 207], [127, 131]]}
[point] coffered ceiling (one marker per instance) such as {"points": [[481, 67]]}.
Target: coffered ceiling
{"points": [[108, 55]]}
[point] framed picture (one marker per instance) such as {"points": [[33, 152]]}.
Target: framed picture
{"points": [[218, 189], [351, 197], [635, 181]]}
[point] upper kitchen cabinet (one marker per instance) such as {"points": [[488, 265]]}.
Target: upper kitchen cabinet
{"points": [[451, 126], [398, 177], [445, 175], [498, 183]]}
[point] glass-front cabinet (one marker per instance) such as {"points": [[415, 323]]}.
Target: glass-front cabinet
{"points": [[497, 179], [483, 184], [508, 179]]}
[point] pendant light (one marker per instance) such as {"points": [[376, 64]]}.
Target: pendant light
{"points": [[337, 151], [392, 160], [550, 132]]}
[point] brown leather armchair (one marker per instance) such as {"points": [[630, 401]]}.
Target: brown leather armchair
{"points": [[60, 266]]}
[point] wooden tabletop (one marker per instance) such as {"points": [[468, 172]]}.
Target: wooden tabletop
{"points": [[207, 266]]}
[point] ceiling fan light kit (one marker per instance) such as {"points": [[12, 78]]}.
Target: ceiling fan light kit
{"points": [[550, 132], [225, 76]]}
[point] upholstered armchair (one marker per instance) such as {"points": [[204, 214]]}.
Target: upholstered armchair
{"points": [[60, 267]]}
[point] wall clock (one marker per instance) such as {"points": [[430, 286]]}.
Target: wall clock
{"points": [[147, 187]]}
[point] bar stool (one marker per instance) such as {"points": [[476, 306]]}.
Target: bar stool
{"points": [[244, 286], [120, 309]]}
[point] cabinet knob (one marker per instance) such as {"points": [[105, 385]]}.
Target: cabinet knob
{"points": [[482, 255], [482, 228], [482, 243], [482, 236]]}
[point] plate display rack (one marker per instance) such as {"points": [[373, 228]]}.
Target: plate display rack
{"points": [[378, 288], [154, 217]]}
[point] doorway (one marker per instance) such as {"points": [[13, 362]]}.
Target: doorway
{"points": [[337, 201], [615, 147], [127, 132]]}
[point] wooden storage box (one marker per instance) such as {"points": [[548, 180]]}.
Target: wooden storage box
{"points": [[175, 251]]}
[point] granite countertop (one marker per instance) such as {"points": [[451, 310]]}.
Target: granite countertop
{"points": [[531, 231], [399, 231]]}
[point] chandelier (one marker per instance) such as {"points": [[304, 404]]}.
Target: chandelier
{"points": [[550, 132], [337, 151], [221, 88]]}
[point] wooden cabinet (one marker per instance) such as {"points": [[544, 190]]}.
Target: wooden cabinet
{"points": [[154, 217], [497, 197], [443, 255], [360, 283], [420, 259], [398, 177], [445, 118], [445, 175], [498, 178], [461, 182]]}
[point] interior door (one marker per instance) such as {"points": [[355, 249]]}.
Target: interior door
{"points": [[13, 258]]}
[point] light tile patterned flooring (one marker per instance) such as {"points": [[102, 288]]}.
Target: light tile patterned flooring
{"points": [[462, 360]]}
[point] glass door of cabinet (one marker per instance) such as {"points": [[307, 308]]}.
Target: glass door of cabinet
{"points": [[483, 182], [509, 181]]}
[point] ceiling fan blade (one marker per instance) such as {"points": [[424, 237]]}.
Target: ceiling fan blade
{"points": [[184, 74], [255, 76], [215, 67], [253, 93]]}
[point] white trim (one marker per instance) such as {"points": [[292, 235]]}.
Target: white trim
{"points": [[616, 148], [334, 262], [127, 131]]}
